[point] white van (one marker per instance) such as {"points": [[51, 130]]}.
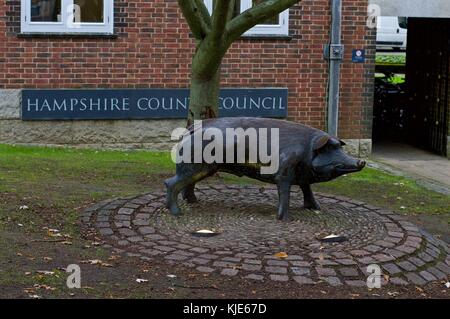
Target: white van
{"points": [[392, 33]]}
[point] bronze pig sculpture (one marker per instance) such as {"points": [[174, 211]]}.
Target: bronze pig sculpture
{"points": [[305, 156]]}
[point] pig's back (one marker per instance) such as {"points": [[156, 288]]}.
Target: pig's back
{"points": [[290, 133]]}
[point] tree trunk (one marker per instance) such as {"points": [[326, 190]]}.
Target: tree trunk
{"points": [[204, 93]]}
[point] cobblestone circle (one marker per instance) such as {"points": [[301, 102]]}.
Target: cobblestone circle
{"points": [[250, 236]]}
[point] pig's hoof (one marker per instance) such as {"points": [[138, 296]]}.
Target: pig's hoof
{"points": [[284, 218], [190, 198], [175, 210], [313, 206]]}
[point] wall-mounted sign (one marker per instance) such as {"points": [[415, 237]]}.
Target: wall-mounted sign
{"points": [[118, 104], [358, 56]]}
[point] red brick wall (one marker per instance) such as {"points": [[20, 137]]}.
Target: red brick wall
{"points": [[357, 80], [153, 49]]}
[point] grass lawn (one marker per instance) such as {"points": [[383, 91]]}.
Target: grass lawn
{"points": [[55, 184], [390, 59], [395, 79]]}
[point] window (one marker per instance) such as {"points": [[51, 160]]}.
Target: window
{"points": [[278, 25], [67, 16]]}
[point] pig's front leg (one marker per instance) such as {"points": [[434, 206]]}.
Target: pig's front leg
{"points": [[308, 198], [284, 192]]}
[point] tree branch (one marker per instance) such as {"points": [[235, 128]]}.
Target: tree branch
{"points": [[220, 18], [197, 17], [256, 15], [231, 10], [203, 11]]}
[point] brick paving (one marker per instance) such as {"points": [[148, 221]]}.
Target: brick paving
{"points": [[250, 237]]}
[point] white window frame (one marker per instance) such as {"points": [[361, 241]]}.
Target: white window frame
{"points": [[105, 27], [281, 29]]}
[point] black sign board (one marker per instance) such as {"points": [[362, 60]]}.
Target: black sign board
{"points": [[122, 104]]}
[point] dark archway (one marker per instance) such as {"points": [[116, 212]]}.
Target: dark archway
{"points": [[417, 112], [428, 89]]}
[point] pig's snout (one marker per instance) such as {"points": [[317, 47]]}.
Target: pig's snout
{"points": [[360, 164], [350, 167]]}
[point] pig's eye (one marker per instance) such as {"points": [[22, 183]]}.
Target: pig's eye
{"points": [[334, 145]]}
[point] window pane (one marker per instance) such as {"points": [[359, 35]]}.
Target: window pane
{"points": [[90, 10], [45, 10], [273, 20]]}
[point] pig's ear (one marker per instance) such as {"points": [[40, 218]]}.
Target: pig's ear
{"points": [[320, 142], [342, 143]]}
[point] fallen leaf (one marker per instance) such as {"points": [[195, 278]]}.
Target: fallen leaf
{"points": [[53, 233], [114, 257], [447, 284], [92, 261], [281, 255], [45, 287], [96, 262], [29, 290], [141, 280], [172, 276], [46, 273], [393, 293]]}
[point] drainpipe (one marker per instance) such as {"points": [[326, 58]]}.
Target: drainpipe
{"points": [[334, 53]]}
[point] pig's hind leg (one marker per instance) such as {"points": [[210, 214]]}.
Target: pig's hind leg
{"points": [[187, 176], [308, 198], [172, 195], [189, 194]]}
